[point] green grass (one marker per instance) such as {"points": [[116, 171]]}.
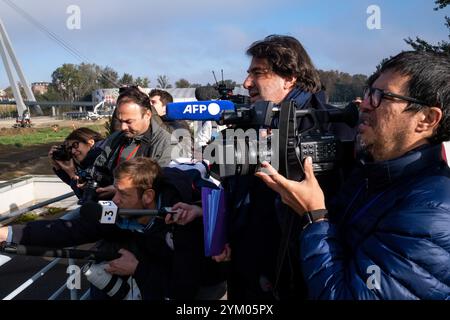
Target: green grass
{"points": [[26, 217], [42, 136]]}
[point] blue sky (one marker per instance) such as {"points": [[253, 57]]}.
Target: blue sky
{"points": [[188, 39]]}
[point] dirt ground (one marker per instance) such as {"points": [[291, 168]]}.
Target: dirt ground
{"points": [[16, 162]]}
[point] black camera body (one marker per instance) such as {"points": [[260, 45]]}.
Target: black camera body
{"points": [[61, 154], [315, 140], [92, 179], [284, 146]]}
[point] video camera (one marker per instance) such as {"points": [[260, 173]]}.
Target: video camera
{"points": [[280, 142], [240, 149], [283, 144]]}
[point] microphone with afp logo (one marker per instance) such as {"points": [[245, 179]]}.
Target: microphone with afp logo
{"points": [[198, 110]]}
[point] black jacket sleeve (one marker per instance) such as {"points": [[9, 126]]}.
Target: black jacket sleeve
{"points": [[66, 179], [64, 233]]}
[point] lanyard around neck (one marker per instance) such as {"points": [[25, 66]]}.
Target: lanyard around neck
{"points": [[131, 155]]}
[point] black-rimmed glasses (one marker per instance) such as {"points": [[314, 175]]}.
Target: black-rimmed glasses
{"points": [[74, 145], [376, 95]]}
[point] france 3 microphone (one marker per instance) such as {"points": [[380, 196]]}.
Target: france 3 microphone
{"points": [[109, 211], [199, 110]]}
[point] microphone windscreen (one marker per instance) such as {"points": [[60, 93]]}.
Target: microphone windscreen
{"points": [[198, 111], [206, 93], [352, 115], [91, 211]]}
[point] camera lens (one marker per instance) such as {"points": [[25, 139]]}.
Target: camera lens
{"points": [[113, 285]]}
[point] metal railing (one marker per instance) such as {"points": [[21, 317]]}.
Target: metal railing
{"points": [[49, 266], [22, 211]]}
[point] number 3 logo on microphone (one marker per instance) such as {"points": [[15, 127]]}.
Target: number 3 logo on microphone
{"points": [[109, 215], [109, 212]]}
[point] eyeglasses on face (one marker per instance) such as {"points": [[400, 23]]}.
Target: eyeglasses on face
{"points": [[74, 145], [376, 95]]}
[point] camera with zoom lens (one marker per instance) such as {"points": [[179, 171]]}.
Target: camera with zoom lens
{"points": [[114, 286], [240, 151], [61, 154]]}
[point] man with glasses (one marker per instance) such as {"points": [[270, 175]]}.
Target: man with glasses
{"points": [[387, 233]]}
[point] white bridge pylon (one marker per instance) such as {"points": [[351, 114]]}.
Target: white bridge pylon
{"points": [[8, 56]]}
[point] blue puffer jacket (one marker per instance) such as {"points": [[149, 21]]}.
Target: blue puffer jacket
{"points": [[388, 235]]}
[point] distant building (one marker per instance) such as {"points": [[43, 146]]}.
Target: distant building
{"points": [[108, 95], [40, 87], [188, 94], [2, 94]]}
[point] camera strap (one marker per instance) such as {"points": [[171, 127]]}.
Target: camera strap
{"points": [[282, 250], [290, 225]]}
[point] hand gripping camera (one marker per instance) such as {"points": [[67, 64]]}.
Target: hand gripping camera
{"points": [[116, 287], [61, 154], [92, 178]]}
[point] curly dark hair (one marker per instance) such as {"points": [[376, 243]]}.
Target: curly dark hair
{"points": [[287, 58]]}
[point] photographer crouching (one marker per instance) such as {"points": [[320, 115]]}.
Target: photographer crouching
{"points": [[73, 162], [166, 259]]}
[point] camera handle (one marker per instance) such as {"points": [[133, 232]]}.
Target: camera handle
{"points": [[290, 167]]}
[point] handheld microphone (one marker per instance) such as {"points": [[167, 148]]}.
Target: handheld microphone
{"points": [[106, 212], [198, 110]]}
